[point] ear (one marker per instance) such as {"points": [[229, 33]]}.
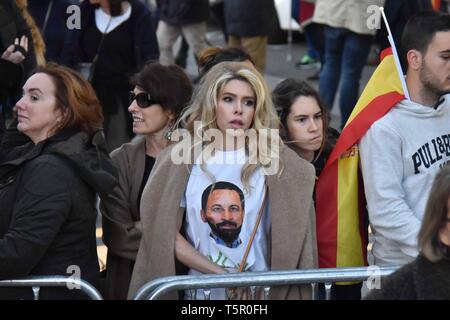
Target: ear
{"points": [[444, 235], [414, 59], [203, 215], [170, 115]]}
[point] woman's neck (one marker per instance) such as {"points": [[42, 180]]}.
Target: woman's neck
{"points": [[155, 143]]}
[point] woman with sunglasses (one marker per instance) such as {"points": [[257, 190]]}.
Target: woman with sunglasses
{"points": [[159, 95], [428, 276]]}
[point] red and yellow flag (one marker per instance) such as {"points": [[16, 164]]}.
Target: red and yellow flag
{"points": [[436, 4], [340, 201]]}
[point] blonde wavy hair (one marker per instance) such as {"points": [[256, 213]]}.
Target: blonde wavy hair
{"points": [[203, 108], [38, 41]]}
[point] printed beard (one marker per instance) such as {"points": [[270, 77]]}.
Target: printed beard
{"points": [[226, 234]]}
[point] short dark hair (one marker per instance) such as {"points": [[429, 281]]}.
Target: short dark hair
{"points": [[222, 185], [211, 56], [284, 96], [168, 85], [435, 218], [420, 30]]}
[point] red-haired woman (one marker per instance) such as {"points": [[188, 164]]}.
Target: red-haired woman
{"points": [[48, 187]]}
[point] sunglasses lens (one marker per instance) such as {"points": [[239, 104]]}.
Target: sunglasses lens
{"points": [[142, 99]]}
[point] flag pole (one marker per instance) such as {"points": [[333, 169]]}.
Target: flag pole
{"points": [[395, 54], [289, 53]]}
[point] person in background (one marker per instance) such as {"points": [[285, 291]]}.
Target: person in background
{"points": [[38, 42], [160, 93], [211, 56], [120, 36], [302, 12], [347, 44], [181, 17], [428, 276], [49, 185], [51, 18], [17, 61], [247, 27]]}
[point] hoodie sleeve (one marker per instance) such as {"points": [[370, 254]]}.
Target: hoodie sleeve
{"points": [[382, 170], [41, 207]]}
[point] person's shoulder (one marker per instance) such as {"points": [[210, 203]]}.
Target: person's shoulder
{"points": [[294, 162], [49, 169], [131, 147], [50, 159], [398, 285]]}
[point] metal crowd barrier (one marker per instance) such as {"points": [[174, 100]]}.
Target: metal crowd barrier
{"points": [[36, 282], [154, 289]]}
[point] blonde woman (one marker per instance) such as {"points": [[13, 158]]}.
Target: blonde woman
{"points": [[186, 208]]}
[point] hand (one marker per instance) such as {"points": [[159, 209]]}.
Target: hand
{"points": [[16, 52]]}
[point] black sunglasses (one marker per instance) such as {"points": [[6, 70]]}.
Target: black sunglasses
{"points": [[143, 99]]}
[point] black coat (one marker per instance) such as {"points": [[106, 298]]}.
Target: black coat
{"points": [[145, 44], [248, 18], [48, 207], [183, 12], [418, 280], [59, 41]]}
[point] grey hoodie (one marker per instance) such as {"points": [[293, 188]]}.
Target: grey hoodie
{"points": [[400, 156]]}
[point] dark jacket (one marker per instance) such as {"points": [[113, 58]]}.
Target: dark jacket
{"points": [[59, 41], [145, 44], [183, 12], [12, 76], [48, 206], [248, 18], [418, 280]]}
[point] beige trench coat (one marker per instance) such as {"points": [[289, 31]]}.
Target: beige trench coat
{"points": [[120, 218], [292, 243]]}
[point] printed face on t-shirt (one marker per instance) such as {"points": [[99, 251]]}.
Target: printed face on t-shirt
{"points": [[224, 214]]}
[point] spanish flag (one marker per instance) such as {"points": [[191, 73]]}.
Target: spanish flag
{"points": [[436, 4], [340, 200]]}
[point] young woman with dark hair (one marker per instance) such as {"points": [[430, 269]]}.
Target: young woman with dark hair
{"points": [[304, 121]]}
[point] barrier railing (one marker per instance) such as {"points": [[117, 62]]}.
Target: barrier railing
{"points": [[36, 282], [154, 289]]}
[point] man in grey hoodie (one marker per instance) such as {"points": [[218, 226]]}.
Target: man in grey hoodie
{"points": [[403, 151]]}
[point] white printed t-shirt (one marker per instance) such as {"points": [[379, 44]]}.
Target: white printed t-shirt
{"points": [[226, 166]]}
